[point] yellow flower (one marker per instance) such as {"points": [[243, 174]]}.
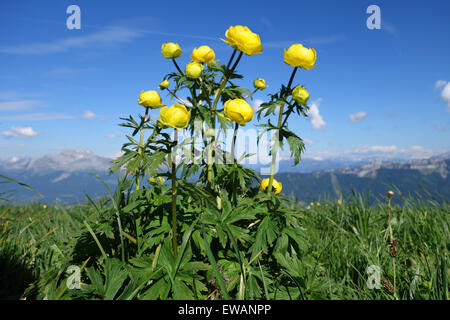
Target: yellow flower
{"points": [[299, 56], [159, 180], [164, 84], [259, 84], [318, 204], [238, 110], [277, 186], [150, 99], [44, 206], [311, 204], [300, 94], [176, 116], [243, 39], [171, 50], [203, 54], [339, 202], [194, 70]]}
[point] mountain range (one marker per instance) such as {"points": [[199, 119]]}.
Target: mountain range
{"points": [[67, 176]]}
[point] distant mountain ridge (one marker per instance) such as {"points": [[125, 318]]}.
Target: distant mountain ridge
{"points": [[377, 177], [67, 176]]}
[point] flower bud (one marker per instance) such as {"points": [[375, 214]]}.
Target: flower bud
{"points": [[300, 95], [171, 50], [299, 56], [203, 54], [194, 70], [238, 110], [277, 186], [390, 194], [164, 84], [150, 99], [259, 84], [176, 116]]}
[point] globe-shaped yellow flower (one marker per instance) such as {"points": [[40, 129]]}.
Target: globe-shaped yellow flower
{"points": [[299, 56], [238, 110], [171, 50], [150, 99], [203, 54], [243, 39], [194, 70], [164, 84], [259, 84], [176, 116], [277, 186], [300, 94]]}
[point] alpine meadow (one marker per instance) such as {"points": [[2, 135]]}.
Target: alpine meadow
{"points": [[186, 219]]}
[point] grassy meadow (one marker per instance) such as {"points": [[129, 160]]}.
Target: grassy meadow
{"points": [[339, 241]]}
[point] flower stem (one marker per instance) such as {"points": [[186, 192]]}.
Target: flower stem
{"points": [[174, 195], [276, 145], [233, 146], [223, 82], [140, 149], [176, 66]]}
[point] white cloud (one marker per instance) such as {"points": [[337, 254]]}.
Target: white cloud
{"points": [[88, 115], [445, 95], [316, 119], [439, 84], [367, 149], [20, 132], [358, 116]]}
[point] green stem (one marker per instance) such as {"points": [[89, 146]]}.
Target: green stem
{"points": [[223, 82], [174, 196], [140, 150], [233, 147], [176, 66], [276, 146]]}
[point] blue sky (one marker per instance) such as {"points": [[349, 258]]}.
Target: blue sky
{"points": [[374, 91]]}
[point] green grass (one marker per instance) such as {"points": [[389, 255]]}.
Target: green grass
{"points": [[339, 243]]}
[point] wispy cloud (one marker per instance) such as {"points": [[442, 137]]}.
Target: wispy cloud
{"points": [[316, 119], [66, 72], [439, 84], [112, 135], [285, 44], [19, 132], [378, 152], [36, 117], [18, 105], [357, 116], [14, 95], [107, 36], [390, 28]]}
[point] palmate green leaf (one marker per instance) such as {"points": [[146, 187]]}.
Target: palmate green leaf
{"points": [[115, 275], [296, 144], [267, 233]]}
